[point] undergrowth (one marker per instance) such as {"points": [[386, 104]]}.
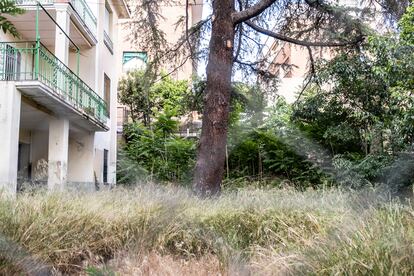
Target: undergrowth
{"points": [[262, 231]]}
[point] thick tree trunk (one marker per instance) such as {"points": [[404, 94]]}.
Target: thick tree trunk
{"points": [[211, 154]]}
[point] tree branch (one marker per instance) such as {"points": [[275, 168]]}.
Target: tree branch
{"points": [[255, 10], [190, 47], [310, 76], [236, 56], [301, 42]]}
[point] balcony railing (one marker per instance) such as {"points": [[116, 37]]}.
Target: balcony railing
{"points": [[24, 61], [33, 2], [86, 14], [108, 42]]}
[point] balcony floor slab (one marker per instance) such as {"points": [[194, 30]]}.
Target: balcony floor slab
{"points": [[58, 105]]}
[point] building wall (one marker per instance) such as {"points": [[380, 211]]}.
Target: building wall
{"points": [[85, 148], [279, 52], [292, 75], [107, 63], [173, 32]]}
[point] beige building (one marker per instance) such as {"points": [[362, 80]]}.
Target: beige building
{"points": [[292, 77], [59, 94], [135, 58], [293, 73]]}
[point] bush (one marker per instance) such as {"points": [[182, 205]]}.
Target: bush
{"points": [[262, 154], [156, 153]]}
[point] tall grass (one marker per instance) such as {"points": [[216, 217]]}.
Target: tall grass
{"points": [[249, 230]]}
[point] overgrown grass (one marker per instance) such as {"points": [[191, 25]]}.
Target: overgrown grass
{"points": [[276, 231]]}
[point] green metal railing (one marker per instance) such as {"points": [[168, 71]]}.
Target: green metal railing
{"points": [[85, 12], [28, 61]]}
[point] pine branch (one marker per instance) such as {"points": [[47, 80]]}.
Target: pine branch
{"points": [[302, 42], [253, 11]]}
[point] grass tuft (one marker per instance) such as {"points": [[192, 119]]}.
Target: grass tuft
{"points": [[259, 231]]}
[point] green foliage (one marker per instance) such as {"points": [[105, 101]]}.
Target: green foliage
{"points": [[93, 271], [361, 108], [133, 92], [369, 97], [263, 152], [145, 99], [169, 94], [406, 25], [9, 7], [156, 153]]}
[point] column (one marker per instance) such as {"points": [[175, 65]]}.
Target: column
{"points": [[61, 41], [58, 154], [10, 104], [81, 160]]}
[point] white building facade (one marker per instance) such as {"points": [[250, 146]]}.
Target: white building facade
{"points": [[58, 94]]}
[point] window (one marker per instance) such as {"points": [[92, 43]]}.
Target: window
{"points": [[108, 19], [133, 61], [108, 28], [107, 92], [105, 166]]}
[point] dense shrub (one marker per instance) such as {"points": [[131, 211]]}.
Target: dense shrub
{"points": [[156, 154], [262, 153]]}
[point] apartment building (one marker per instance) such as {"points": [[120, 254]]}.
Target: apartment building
{"points": [[291, 63], [134, 58], [58, 85]]}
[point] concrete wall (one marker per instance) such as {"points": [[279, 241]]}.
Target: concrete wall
{"points": [[81, 158], [87, 61], [9, 136], [107, 63], [84, 156], [39, 153]]}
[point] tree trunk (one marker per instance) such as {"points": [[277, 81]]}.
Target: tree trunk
{"points": [[211, 154]]}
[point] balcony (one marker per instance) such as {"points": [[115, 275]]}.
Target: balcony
{"points": [[41, 76], [84, 29], [87, 17], [33, 2], [108, 42]]}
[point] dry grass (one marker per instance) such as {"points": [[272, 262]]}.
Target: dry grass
{"points": [[167, 231], [156, 264]]}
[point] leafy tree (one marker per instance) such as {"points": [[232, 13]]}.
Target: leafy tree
{"points": [[169, 94], [368, 99], [156, 153], [233, 28], [145, 98], [9, 7], [134, 93], [361, 107], [406, 25]]}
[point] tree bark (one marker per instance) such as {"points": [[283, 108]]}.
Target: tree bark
{"points": [[211, 154]]}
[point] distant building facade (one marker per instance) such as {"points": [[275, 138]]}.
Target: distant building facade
{"points": [[134, 58], [291, 63]]}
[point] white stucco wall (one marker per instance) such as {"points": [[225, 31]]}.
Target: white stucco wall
{"points": [[84, 149], [9, 136]]}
